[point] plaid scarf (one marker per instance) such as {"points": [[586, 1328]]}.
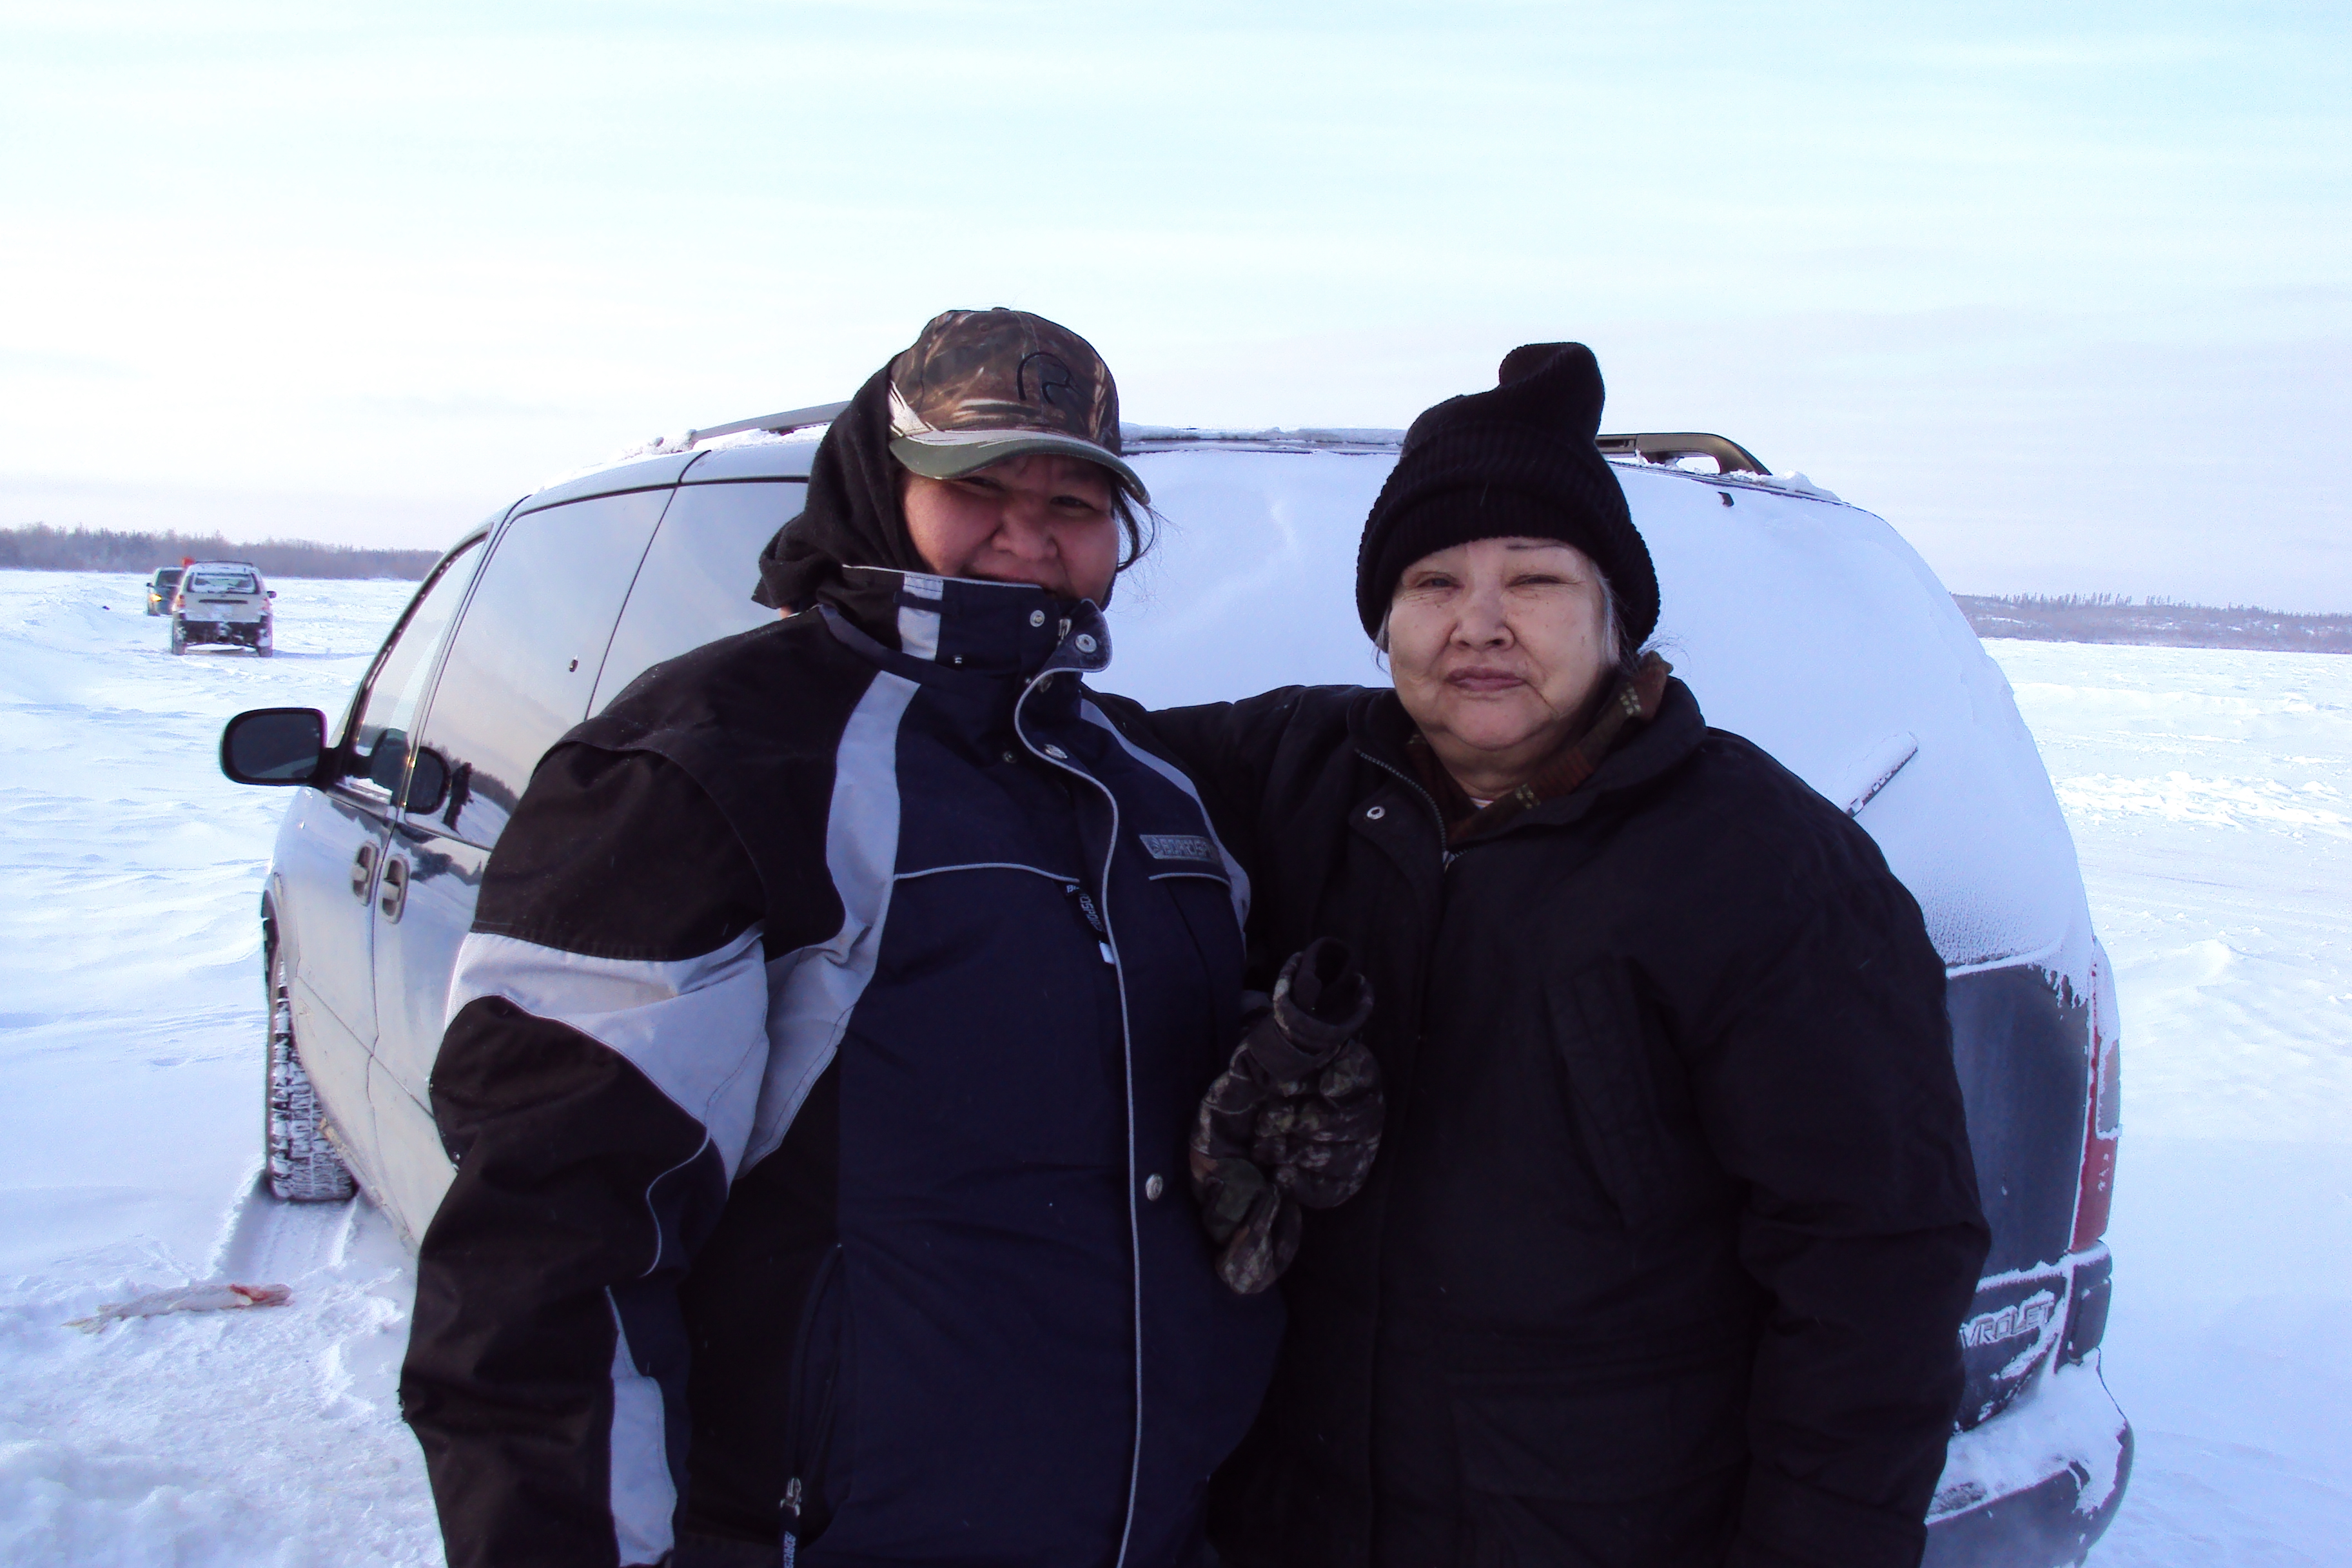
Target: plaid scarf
{"points": [[1634, 702]]}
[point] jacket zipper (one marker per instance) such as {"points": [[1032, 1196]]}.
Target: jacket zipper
{"points": [[807, 1427], [1127, 1057], [1446, 855]]}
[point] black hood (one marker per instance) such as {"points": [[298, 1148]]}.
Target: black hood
{"points": [[852, 519]]}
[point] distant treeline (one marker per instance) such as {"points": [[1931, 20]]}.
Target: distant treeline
{"points": [[2162, 623], [41, 548]]}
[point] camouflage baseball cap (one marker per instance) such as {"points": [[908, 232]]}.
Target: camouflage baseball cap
{"points": [[980, 386]]}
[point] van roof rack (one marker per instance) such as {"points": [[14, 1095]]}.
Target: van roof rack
{"points": [[1668, 446], [1650, 445], [774, 424]]}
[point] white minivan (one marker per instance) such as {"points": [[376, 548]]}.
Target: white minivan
{"points": [[1802, 622], [223, 602]]}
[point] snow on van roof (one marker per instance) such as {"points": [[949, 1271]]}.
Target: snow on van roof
{"points": [[1808, 627], [1794, 484], [1160, 438]]}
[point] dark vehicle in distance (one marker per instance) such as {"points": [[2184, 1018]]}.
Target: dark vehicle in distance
{"points": [[1776, 593], [159, 589]]}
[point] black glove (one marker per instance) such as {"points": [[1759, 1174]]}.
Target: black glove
{"points": [[1293, 1122]]}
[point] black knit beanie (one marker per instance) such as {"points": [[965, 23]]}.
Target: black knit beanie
{"points": [[1516, 461]]}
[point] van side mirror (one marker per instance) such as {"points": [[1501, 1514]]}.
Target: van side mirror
{"points": [[273, 592], [428, 782], [274, 746]]}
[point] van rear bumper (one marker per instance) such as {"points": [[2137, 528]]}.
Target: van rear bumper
{"points": [[2034, 1486], [247, 632]]}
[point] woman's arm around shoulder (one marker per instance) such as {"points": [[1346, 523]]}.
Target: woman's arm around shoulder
{"points": [[1235, 749]]}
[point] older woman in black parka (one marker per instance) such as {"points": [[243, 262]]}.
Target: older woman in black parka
{"points": [[1664, 1255]]}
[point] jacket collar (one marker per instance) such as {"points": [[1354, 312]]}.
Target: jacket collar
{"points": [[1380, 727], [980, 628]]}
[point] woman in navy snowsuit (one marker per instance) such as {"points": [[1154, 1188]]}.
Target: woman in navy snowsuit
{"points": [[820, 1065]]}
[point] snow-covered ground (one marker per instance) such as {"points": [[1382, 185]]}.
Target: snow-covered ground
{"points": [[131, 1112], [2211, 795]]}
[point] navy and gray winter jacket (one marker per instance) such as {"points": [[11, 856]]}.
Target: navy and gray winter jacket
{"points": [[818, 1074]]}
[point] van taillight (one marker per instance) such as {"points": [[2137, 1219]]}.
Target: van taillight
{"points": [[2103, 1117]]}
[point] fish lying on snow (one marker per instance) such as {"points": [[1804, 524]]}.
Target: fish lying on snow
{"points": [[187, 1298]]}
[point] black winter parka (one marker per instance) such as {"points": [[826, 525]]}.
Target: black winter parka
{"points": [[1663, 1257]]}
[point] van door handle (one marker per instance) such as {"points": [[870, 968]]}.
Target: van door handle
{"points": [[395, 887], [362, 870]]}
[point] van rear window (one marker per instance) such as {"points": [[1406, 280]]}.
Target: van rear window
{"points": [[222, 583]]}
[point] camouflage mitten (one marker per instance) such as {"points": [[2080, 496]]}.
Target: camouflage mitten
{"points": [[1293, 1122]]}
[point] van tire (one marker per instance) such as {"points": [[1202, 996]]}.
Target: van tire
{"points": [[303, 1166], [179, 636]]}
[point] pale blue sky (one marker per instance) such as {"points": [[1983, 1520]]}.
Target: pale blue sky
{"points": [[2062, 292]]}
